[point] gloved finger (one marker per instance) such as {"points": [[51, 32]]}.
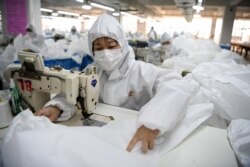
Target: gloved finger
{"points": [[132, 143], [39, 113], [151, 144], [53, 117], [145, 145]]}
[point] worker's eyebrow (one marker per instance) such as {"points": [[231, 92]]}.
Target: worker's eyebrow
{"points": [[96, 43], [111, 40]]}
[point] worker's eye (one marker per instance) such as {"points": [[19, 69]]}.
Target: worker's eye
{"points": [[97, 48], [113, 45]]}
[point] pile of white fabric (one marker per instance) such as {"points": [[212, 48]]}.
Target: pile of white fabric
{"points": [[35, 141], [63, 49], [199, 51]]}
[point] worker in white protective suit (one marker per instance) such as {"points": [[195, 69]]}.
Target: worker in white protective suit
{"points": [[176, 34], [32, 40], [73, 35], [131, 84], [169, 49], [152, 37], [152, 34]]}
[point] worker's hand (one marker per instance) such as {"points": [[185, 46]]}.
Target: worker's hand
{"points": [[51, 112], [146, 136]]}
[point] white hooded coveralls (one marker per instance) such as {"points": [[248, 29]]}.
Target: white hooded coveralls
{"points": [[160, 95], [33, 37], [171, 50]]}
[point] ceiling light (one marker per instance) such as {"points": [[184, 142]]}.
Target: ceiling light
{"points": [[54, 14], [116, 13], [86, 6], [102, 6], [198, 7], [68, 13], [127, 14], [46, 10], [79, 1]]}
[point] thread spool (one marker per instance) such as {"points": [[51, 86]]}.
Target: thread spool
{"points": [[5, 113]]}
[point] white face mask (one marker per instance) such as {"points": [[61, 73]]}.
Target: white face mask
{"points": [[167, 48], [108, 59], [31, 34]]}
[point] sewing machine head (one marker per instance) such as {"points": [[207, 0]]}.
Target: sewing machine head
{"points": [[36, 83]]}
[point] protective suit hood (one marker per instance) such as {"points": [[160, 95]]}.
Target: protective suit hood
{"points": [[30, 26], [166, 37], [73, 29], [108, 26]]}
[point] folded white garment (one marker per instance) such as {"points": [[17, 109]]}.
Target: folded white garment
{"points": [[239, 137], [35, 141]]}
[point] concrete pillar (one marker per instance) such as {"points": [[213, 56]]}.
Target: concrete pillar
{"points": [[227, 24], [14, 17], [212, 31], [141, 27], [34, 14], [82, 30], [16, 14]]}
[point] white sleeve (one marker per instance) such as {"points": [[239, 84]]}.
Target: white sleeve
{"points": [[38, 40], [61, 102], [169, 104]]}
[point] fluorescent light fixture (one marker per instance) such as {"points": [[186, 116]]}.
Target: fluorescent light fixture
{"points": [[116, 13], [46, 10], [80, 1], [102, 6], [86, 6], [68, 13], [198, 7], [127, 14], [54, 14]]}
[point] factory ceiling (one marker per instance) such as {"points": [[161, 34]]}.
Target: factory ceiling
{"points": [[150, 8]]}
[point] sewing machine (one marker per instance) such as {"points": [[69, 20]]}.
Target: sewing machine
{"points": [[36, 83]]}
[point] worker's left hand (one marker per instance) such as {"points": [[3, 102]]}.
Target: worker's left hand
{"points": [[146, 136], [51, 112]]}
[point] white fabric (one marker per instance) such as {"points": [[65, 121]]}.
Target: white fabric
{"points": [[35, 141], [199, 51], [229, 89], [239, 137]]}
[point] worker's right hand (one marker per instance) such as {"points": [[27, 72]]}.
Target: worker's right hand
{"points": [[51, 112]]}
